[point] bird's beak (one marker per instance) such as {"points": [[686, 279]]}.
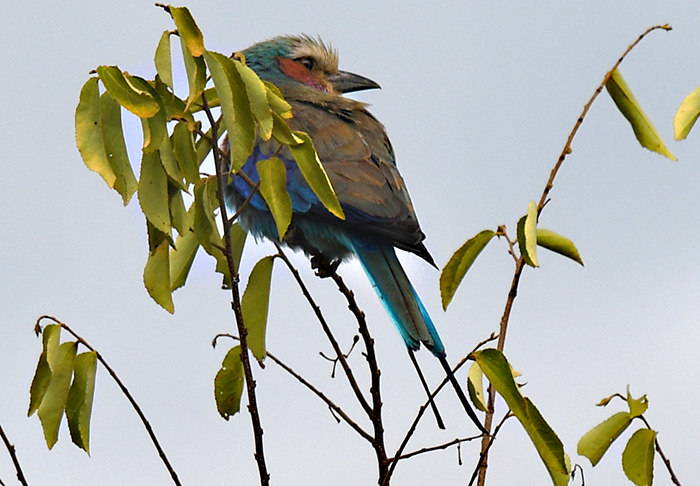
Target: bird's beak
{"points": [[344, 82]]}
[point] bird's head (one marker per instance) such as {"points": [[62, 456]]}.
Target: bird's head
{"points": [[303, 61]]}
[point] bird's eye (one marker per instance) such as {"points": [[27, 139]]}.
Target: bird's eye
{"points": [[307, 62]]}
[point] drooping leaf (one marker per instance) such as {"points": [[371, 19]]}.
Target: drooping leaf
{"points": [[687, 115], [163, 60], [179, 218], [185, 153], [153, 192], [88, 132], [638, 457], [80, 397], [497, 370], [170, 164], [140, 102], [282, 132], [188, 30], [235, 106], [277, 102], [53, 403], [115, 148], [257, 95], [527, 235], [228, 384], [596, 441], [238, 237], [156, 277], [51, 336], [196, 71], [558, 244], [181, 258], [205, 227], [155, 129], [475, 387], [460, 262], [273, 187], [630, 108], [255, 304], [314, 173], [175, 108]]}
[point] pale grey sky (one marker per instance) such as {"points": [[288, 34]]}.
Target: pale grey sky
{"points": [[478, 99]]}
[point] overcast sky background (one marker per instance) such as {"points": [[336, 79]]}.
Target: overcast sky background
{"points": [[478, 99]]}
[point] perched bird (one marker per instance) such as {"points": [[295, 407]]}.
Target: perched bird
{"points": [[358, 157]]}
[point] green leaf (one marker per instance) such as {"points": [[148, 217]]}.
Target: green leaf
{"points": [[179, 217], [175, 108], [228, 384], [255, 305], [277, 102], [235, 107], [153, 192], [80, 397], [181, 258], [258, 96], [314, 173], [686, 115], [475, 387], [637, 405], [163, 60], [196, 71], [50, 338], [156, 276], [140, 102], [527, 235], [282, 132], [548, 445], [596, 441], [558, 244], [188, 30], [115, 148], [54, 402], [630, 108], [185, 153], [170, 164], [638, 457], [458, 265], [88, 132], [155, 129], [238, 237], [273, 187], [205, 227]]}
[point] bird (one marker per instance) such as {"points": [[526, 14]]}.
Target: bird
{"points": [[358, 157]]}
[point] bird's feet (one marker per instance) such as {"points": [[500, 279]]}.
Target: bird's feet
{"points": [[324, 267]]}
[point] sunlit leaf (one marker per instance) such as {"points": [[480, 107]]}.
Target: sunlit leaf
{"points": [[163, 60], [314, 173], [80, 397], [156, 277], [597, 440], [255, 304], [181, 258], [277, 102], [687, 115], [153, 192], [637, 405], [155, 129], [475, 387], [638, 457], [228, 384], [51, 336], [282, 132], [54, 402], [527, 235], [460, 262], [548, 445], [140, 102], [558, 244], [115, 148], [273, 187], [257, 94], [88, 132], [628, 105], [188, 30], [196, 71]]}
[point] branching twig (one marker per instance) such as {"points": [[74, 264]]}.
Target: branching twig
{"points": [[667, 462], [13, 455], [438, 447], [483, 456], [124, 390]]}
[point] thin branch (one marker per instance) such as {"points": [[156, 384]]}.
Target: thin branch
{"points": [[124, 390], [439, 447], [667, 461], [13, 455], [483, 456]]}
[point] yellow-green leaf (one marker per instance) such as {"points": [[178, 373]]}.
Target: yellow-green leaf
{"points": [[188, 30], [527, 235], [314, 173], [80, 397], [687, 115], [238, 237], [258, 97], [196, 71], [228, 384], [282, 132], [630, 108], [170, 164], [88, 132], [53, 403], [255, 304], [475, 387], [140, 102], [558, 244], [458, 265], [597, 440], [115, 148], [156, 277], [51, 336], [497, 370], [637, 405], [181, 258], [277, 102], [185, 153], [638, 457], [179, 217], [273, 187], [153, 192], [163, 60]]}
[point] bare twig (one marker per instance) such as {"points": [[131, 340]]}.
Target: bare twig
{"points": [[124, 390], [13, 455], [483, 456], [667, 462], [439, 447]]}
